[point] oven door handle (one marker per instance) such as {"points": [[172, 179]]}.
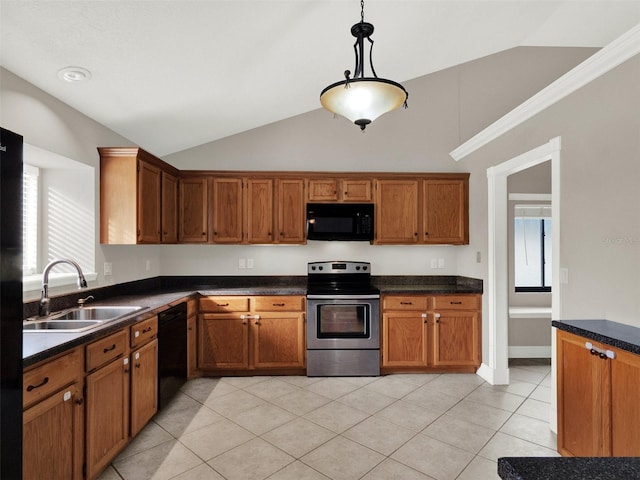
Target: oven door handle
{"points": [[344, 297]]}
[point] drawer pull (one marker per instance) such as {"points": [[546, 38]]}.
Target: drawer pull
{"points": [[604, 354], [111, 348], [147, 330], [456, 303], [406, 303], [223, 304], [41, 384], [278, 304]]}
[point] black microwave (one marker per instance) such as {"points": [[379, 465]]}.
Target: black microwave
{"points": [[340, 221]]}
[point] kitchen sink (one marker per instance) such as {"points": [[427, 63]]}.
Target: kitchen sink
{"points": [[95, 313], [77, 319], [69, 326]]}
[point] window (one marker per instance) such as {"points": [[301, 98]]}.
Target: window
{"points": [[30, 219], [58, 218], [532, 248]]}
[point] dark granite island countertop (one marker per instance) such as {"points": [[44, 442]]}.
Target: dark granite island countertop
{"points": [[573, 468], [619, 335]]}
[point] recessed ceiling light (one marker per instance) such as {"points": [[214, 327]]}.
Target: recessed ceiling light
{"points": [[74, 74]]}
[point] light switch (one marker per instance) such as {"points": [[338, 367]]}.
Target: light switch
{"points": [[249, 262], [434, 263], [441, 263], [242, 263], [107, 268], [564, 275]]}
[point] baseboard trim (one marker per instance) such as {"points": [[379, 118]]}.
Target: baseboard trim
{"points": [[530, 352]]}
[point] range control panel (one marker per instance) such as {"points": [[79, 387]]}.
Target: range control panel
{"points": [[338, 267]]}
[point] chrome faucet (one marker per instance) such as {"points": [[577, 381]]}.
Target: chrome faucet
{"points": [[45, 307]]}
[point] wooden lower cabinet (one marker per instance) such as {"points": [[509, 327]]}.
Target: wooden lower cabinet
{"points": [[107, 414], [251, 334], [431, 333], [53, 419], [192, 339], [144, 385], [598, 407]]}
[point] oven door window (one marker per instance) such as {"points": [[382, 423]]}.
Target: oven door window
{"points": [[343, 321]]}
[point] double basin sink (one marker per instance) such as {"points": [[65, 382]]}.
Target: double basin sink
{"points": [[77, 319]]}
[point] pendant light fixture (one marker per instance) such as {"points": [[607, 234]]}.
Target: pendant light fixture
{"points": [[363, 99]]}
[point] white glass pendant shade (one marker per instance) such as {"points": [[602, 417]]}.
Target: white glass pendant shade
{"points": [[362, 100]]}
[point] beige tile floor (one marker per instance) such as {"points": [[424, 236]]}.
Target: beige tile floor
{"points": [[442, 427]]}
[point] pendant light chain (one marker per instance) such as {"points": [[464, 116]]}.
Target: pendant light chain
{"points": [[362, 11]]}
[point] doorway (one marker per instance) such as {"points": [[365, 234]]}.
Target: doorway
{"points": [[495, 367]]}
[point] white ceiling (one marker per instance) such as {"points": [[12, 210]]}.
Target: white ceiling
{"points": [[170, 75]]}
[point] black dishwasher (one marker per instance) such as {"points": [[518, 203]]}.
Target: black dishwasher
{"points": [[172, 352]]}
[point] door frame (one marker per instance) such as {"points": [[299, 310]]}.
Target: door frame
{"points": [[495, 366]]}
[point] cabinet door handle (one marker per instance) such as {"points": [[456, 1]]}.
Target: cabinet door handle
{"points": [[456, 303], [112, 347], [41, 384], [604, 354], [278, 304], [406, 303]]}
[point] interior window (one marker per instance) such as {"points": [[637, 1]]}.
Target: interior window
{"points": [[532, 248]]}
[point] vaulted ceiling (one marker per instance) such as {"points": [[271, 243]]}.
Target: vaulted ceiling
{"points": [[170, 75]]}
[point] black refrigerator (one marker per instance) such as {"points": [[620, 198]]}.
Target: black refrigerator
{"points": [[10, 305]]}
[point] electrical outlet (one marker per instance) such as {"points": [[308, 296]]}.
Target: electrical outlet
{"points": [[434, 263], [147, 265], [242, 263], [478, 257], [108, 268], [441, 263], [249, 262]]}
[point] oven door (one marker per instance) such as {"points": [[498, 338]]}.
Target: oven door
{"points": [[343, 322]]}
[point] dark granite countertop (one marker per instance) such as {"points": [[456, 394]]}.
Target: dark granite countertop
{"points": [[619, 335], [155, 295], [569, 468]]}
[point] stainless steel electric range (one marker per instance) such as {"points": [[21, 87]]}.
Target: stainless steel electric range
{"points": [[343, 320]]}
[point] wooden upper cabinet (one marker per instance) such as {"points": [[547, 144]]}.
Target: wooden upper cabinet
{"points": [[290, 211], [193, 210], [169, 209], [323, 189], [131, 196], [445, 211], [259, 215], [226, 213], [339, 190], [396, 215], [149, 201]]}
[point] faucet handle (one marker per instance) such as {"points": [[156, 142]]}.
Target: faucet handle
{"points": [[81, 301]]}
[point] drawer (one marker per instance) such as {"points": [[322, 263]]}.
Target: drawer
{"points": [[224, 304], [404, 302], [284, 303], [104, 350], [456, 302], [43, 380], [144, 331]]}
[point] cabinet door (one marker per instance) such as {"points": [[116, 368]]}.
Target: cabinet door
{"points": [[107, 406], [259, 213], [53, 437], [148, 203], [278, 340], [144, 385], [583, 394], [226, 202], [291, 211], [193, 210], [169, 208], [404, 339], [445, 212], [356, 190], [456, 338], [396, 212], [323, 190], [223, 342], [625, 408]]}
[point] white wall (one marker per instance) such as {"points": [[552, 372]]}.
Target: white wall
{"points": [[445, 109], [600, 199]]}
